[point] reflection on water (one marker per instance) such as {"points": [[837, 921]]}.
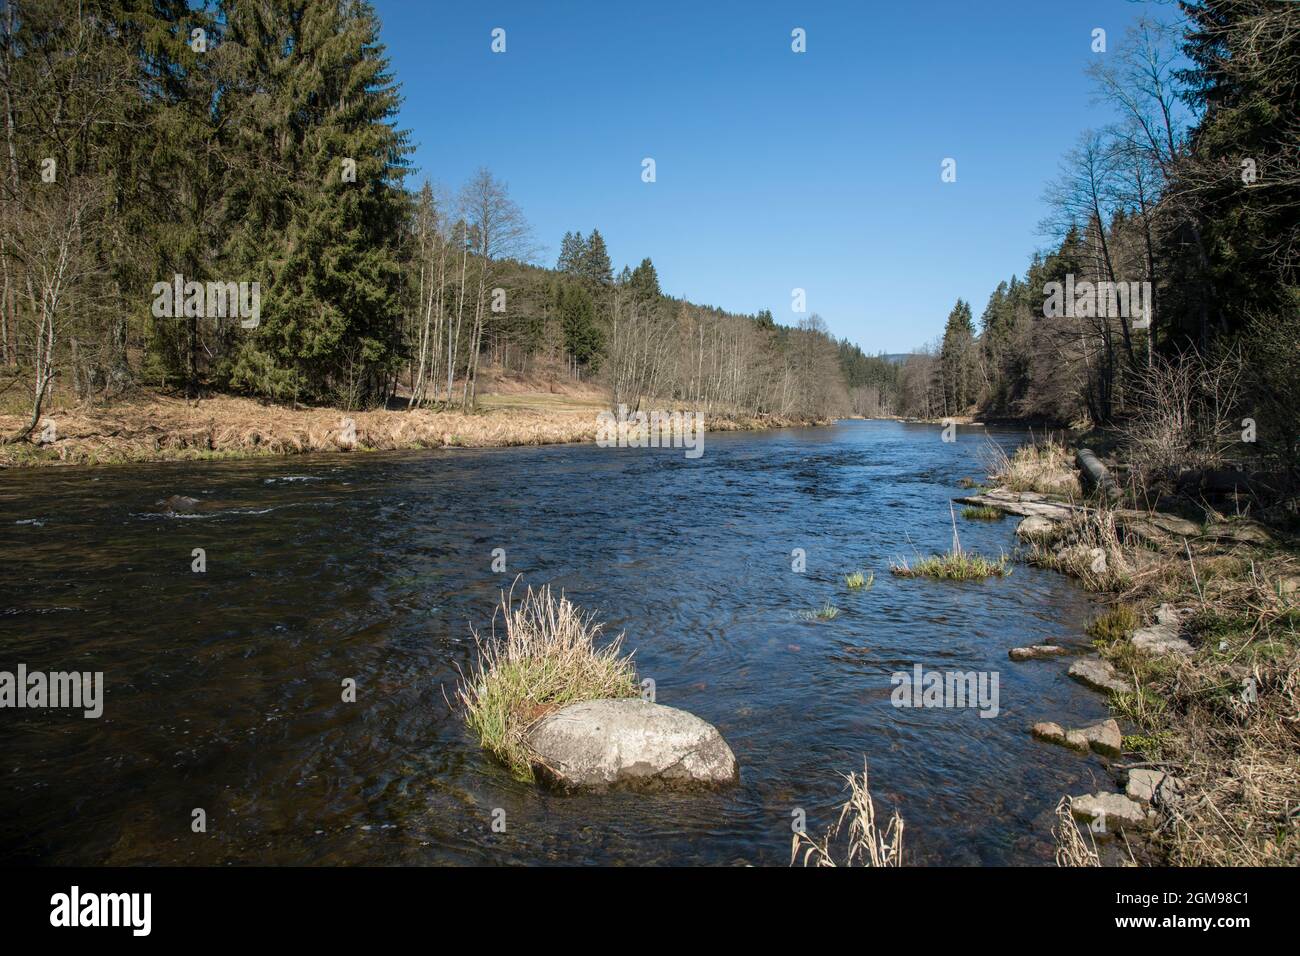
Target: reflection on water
{"points": [[224, 688]]}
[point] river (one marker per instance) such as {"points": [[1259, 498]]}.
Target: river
{"points": [[224, 688]]}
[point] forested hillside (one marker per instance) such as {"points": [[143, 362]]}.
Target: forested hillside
{"points": [[157, 146], [256, 142]]}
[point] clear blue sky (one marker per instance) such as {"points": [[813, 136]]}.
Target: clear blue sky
{"points": [[775, 170]]}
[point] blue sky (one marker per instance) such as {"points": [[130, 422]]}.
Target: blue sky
{"points": [[775, 170]]}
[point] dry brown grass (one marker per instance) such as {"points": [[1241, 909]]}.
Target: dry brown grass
{"points": [[159, 428], [1043, 465], [865, 843], [1225, 721], [1072, 849], [1091, 547]]}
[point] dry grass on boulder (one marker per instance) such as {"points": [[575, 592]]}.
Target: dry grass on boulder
{"points": [[548, 657], [1095, 550], [1044, 465]]}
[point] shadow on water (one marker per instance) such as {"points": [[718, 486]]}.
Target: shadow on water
{"points": [[224, 688]]}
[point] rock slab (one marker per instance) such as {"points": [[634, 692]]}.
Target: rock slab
{"points": [[1103, 738], [1110, 812], [629, 744], [1152, 786], [1099, 675], [1037, 652]]}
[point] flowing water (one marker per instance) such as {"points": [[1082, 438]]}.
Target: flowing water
{"points": [[224, 688]]}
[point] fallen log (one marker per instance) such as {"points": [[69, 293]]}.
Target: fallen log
{"points": [[1095, 474]]}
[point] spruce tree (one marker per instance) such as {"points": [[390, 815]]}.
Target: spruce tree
{"points": [[570, 254], [323, 226], [595, 263], [644, 280]]}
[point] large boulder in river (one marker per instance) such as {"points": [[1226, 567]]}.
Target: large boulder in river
{"points": [[629, 744]]}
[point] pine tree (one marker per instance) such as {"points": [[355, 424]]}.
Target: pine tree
{"points": [[582, 338], [573, 251]]}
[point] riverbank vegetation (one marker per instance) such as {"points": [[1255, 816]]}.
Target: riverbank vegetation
{"points": [[1223, 717], [547, 657], [1203, 625], [236, 143]]}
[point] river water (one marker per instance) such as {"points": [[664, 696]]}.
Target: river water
{"points": [[224, 688]]}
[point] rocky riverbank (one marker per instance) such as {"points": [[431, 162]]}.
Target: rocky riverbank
{"points": [[1199, 654]]}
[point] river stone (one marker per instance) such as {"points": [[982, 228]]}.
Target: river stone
{"points": [[1050, 732], [1239, 532], [1168, 614], [1104, 738], [629, 744], [1099, 675], [1110, 812], [1151, 786], [1160, 639], [1036, 652], [1035, 527], [179, 504], [1056, 734], [1077, 740]]}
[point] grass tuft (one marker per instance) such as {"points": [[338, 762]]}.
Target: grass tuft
{"points": [[857, 580], [953, 566], [1114, 625], [866, 843], [1071, 848], [827, 612], [1043, 465], [547, 658], [982, 513]]}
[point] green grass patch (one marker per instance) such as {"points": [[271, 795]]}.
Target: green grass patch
{"points": [[827, 612], [953, 566], [1142, 707], [1153, 746], [1114, 625], [857, 580], [982, 513]]}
